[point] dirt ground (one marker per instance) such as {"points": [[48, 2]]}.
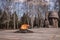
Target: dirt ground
{"points": [[39, 34]]}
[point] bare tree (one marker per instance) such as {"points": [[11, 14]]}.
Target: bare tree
{"points": [[6, 9], [32, 20]]}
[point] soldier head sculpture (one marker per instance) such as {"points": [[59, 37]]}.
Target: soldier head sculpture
{"points": [[53, 16]]}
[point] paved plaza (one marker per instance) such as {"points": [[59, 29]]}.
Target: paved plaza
{"points": [[39, 34]]}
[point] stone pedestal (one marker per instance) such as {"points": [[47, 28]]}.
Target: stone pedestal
{"points": [[55, 23]]}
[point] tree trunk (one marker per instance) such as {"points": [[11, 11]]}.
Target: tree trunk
{"points": [[46, 19], [32, 21], [17, 25], [14, 21]]}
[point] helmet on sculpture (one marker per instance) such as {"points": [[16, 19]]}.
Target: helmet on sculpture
{"points": [[53, 14]]}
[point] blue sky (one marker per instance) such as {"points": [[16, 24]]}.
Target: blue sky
{"points": [[21, 8], [53, 5]]}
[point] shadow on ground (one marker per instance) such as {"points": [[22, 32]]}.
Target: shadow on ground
{"points": [[26, 31]]}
